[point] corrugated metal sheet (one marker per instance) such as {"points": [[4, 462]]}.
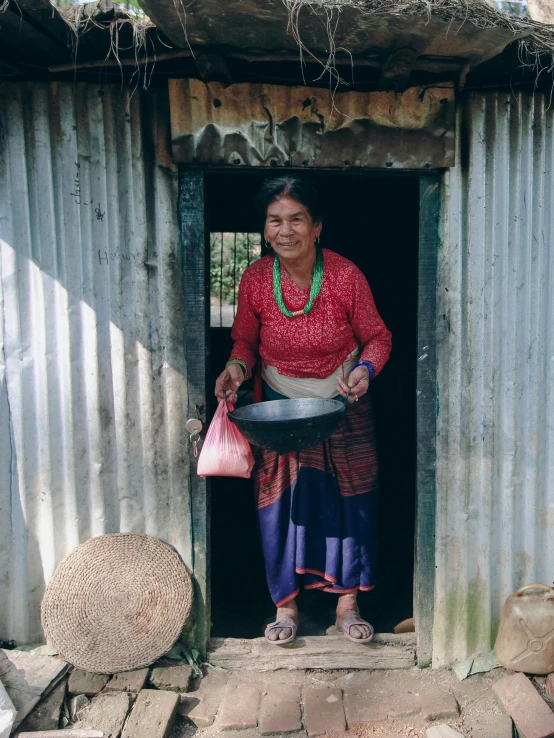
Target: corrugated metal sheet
{"points": [[91, 372], [261, 125], [495, 452]]}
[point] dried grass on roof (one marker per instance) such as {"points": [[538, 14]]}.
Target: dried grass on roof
{"points": [[538, 40], [83, 17]]}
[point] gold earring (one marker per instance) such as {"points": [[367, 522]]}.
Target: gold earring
{"points": [[317, 239], [268, 245]]}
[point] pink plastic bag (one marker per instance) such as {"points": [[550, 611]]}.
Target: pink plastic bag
{"points": [[226, 452]]}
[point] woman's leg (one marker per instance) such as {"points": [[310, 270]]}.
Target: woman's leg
{"points": [[289, 610], [346, 606]]}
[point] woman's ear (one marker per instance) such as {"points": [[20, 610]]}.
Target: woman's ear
{"points": [[318, 225]]}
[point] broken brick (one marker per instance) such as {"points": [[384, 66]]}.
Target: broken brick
{"points": [[127, 681], [532, 716], [86, 682], [202, 706], [280, 710], [323, 711], [153, 714], [439, 705], [172, 678], [240, 707]]}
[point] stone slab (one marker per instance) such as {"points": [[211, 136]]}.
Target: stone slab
{"points": [[490, 726], [201, 706], [68, 733], [106, 713], [442, 731], [127, 681], [153, 714], [28, 678], [46, 716], [86, 682], [323, 711], [239, 709], [280, 710], [436, 704], [172, 678], [532, 716], [386, 651]]}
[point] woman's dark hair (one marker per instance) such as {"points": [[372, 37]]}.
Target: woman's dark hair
{"points": [[297, 188]]}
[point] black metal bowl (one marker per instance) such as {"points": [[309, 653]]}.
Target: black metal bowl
{"points": [[288, 425]]}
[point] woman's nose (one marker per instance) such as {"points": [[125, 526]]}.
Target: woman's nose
{"points": [[286, 229]]}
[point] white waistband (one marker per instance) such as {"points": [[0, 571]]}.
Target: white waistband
{"points": [[297, 387]]}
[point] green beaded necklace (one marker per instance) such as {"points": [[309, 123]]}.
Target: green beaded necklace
{"points": [[317, 281]]}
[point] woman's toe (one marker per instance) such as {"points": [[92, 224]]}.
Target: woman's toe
{"points": [[356, 632], [284, 633]]}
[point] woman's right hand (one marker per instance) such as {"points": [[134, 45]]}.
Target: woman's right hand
{"points": [[228, 382]]}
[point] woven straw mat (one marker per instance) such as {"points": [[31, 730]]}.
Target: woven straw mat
{"points": [[117, 602]]}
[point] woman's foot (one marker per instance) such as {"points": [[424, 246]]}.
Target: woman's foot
{"points": [[289, 612], [347, 610]]}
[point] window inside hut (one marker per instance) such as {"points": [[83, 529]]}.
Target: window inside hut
{"points": [[372, 220], [230, 255]]}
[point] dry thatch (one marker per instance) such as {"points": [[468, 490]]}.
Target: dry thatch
{"points": [[537, 45], [115, 19], [537, 48]]}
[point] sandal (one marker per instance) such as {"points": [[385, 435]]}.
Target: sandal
{"points": [[351, 620], [284, 623]]}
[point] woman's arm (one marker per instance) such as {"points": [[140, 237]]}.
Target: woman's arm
{"points": [[368, 326], [246, 326], [246, 335]]}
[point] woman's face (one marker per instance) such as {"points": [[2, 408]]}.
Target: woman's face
{"points": [[290, 230]]}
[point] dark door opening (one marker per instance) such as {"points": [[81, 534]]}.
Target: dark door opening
{"points": [[372, 220]]}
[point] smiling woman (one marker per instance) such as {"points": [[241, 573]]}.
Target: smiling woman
{"points": [[307, 316]]}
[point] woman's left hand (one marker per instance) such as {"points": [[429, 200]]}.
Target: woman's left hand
{"points": [[358, 382]]}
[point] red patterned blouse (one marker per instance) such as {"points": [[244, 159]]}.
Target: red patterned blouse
{"points": [[343, 317]]}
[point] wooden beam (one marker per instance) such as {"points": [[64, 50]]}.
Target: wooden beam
{"points": [[196, 304], [386, 651], [396, 72], [126, 62], [426, 408]]}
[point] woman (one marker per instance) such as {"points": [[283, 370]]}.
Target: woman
{"points": [[308, 315]]}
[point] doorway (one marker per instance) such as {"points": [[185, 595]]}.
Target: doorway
{"points": [[374, 221]]}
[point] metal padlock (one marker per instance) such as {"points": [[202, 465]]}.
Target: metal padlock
{"points": [[194, 426]]}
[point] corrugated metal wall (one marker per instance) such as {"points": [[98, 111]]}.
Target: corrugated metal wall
{"points": [[495, 451], [91, 371], [92, 388]]}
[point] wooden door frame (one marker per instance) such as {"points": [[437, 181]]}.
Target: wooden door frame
{"points": [[194, 262]]}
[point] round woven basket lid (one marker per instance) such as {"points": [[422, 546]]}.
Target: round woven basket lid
{"points": [[117, 602]]}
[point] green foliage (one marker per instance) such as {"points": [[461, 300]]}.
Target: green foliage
{"points": [[230, 254], [517, 8]]}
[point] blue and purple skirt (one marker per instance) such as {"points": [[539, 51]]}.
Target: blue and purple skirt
{"points": [[318, 511]]}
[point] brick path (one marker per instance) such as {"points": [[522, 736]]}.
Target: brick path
{"points": [[168, 702], [384, 704]]}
